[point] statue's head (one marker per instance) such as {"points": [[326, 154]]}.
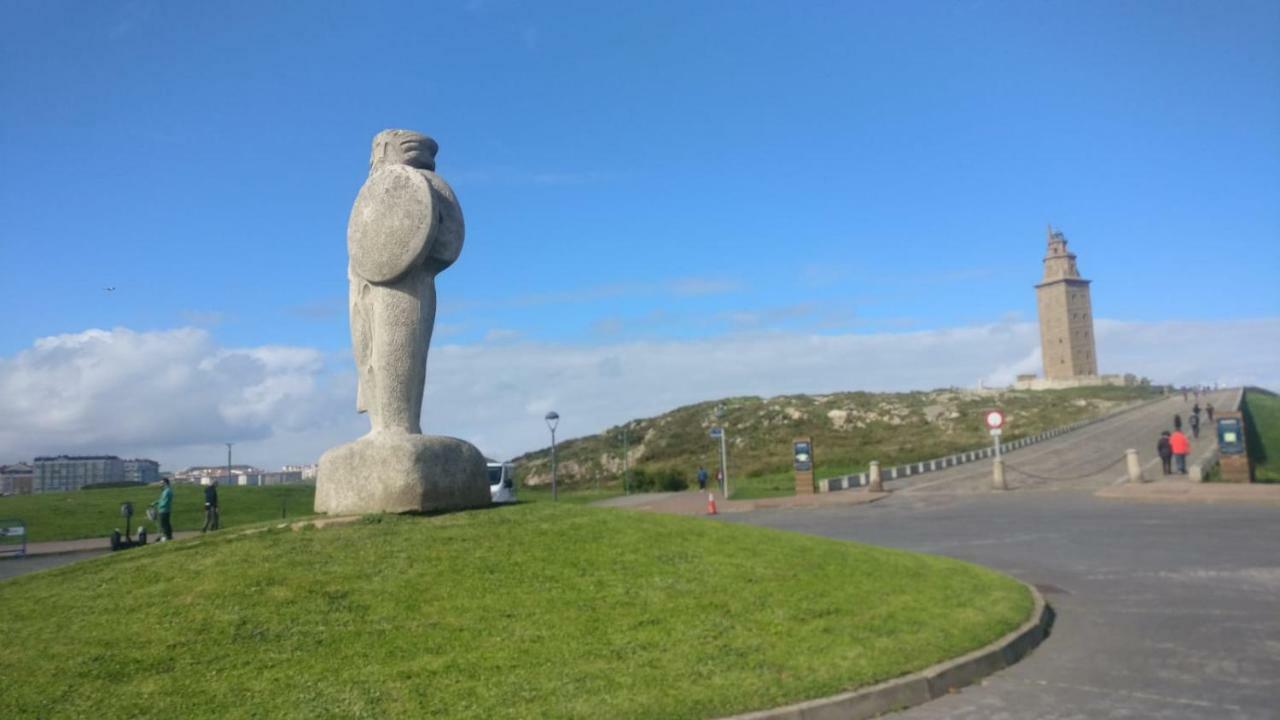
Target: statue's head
{"points": [[403, 147]]}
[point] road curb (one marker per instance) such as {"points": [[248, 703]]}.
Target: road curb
{"points": [[925, 685]]}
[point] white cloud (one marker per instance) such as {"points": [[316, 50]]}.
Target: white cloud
{"points": [[158, 394], [176, 396]]}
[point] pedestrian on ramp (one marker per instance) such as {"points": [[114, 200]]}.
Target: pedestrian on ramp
{"points": [[1181, 447], [1165, 450]]}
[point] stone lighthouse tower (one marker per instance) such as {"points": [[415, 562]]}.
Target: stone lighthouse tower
{"points": [[1066, 315]]}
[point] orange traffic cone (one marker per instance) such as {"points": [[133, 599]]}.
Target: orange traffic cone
{"points": [[711, 504]]}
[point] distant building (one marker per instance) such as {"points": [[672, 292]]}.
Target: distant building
{"points": [[61, 473], [17, 479], [141, 470], [286, 477], [247, 475], [206, 474], [308, 471], [1066, 315]]}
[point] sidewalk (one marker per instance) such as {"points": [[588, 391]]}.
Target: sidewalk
{"points": [[61, 547], [694, 502]]}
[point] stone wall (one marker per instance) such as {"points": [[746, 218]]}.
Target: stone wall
{"points": [[1126, 380]]}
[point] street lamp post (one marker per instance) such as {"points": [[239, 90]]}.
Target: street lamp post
{"points": [[718, 432], [553, 419], [626, 456], [229, 462]]}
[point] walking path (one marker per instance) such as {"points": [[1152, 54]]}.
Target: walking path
{"points": [[62, 547], [694, 502]]}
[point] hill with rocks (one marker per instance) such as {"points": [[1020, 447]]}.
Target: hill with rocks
{"points": [[848, 430]]}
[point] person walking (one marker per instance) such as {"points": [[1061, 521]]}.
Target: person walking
{"points": [[702, 478], [1181, 446], [163, 506], [1194, 422], [1208, 410], [211, 519], [1195, 410], [1177, 421], [1165, 451]]}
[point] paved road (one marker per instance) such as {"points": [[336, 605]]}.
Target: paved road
{"points": [[1092, 457], [1164, 610]]}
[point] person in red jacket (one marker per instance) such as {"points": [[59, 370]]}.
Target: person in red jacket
{"points": [[1181, 446]]}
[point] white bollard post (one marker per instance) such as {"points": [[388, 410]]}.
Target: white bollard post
{"points": [[997, 475], [1135, 469], [874, 484]]}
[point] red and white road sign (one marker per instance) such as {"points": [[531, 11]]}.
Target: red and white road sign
{"points": [[995, 419]]}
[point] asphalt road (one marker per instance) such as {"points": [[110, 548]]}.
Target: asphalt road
{"points": [[1164, 610], [1091, 457]]}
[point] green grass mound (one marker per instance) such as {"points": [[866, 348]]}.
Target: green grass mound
{"points": [[531, 611], [94, 513], [1262, 433]]}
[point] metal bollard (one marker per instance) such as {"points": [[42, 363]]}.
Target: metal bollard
{"points": [[997, 475]]}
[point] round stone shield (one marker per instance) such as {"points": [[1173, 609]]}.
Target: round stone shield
{"points": [[392, 223]]}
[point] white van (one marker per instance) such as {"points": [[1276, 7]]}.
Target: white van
{"points": [[502, 482]]}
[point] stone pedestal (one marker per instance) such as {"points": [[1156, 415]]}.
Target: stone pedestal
{"points": [[401, 472], [804, 482], [804, 466]]}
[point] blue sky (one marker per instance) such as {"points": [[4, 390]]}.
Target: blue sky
{"points": [[641, 172]]}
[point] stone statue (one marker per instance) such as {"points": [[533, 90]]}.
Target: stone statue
{"points": [[405, 227]]}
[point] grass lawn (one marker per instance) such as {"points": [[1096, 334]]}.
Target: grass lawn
{"points": [[1262, 434], [528, 611], [573, 496], [94, 513]]}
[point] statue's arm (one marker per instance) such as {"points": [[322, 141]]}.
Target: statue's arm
{"points": [[361, 339], [446, 245]]}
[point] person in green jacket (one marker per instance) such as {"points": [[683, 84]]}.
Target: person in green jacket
{"points": [[163, 506]]}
